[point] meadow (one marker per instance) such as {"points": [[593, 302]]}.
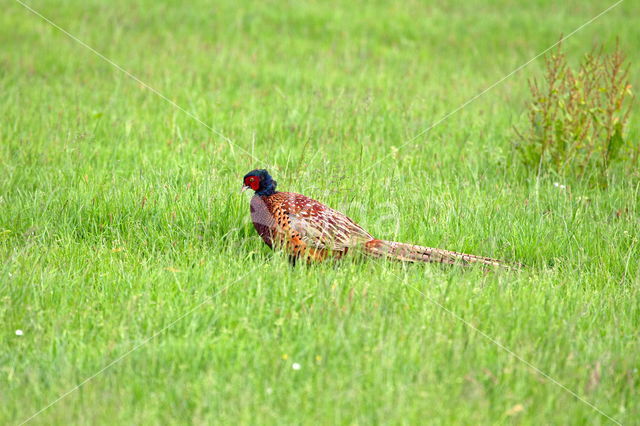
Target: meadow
{"points": [[129, 263]]}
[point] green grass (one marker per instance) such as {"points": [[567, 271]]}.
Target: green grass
{"points": [[119, 214]]}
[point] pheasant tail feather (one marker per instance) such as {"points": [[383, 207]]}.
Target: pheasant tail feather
{"points": [[414, 253]]}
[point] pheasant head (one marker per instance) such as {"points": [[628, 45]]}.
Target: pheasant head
{"points": [[260, 181]]}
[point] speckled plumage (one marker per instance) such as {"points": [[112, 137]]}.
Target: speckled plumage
{"points": [[307, 229], [304, 227]]}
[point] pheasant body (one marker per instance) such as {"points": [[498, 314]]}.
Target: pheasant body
{"points": [[307, 229], [304, 227]]}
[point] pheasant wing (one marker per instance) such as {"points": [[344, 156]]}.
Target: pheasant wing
{"points": [[322, 227]]}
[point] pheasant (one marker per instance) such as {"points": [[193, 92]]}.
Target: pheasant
{"points": [[307, 229]]}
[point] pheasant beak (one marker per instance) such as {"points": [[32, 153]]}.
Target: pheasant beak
{"points": [[244, 188]]}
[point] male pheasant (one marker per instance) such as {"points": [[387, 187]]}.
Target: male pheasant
{"points": [[309, 230]]}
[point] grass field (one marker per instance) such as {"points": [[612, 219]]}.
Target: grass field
{"points": [[123, 236]]}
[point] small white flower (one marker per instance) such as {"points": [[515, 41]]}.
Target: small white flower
{"points": [[296, 366], [269, 391], [556, 184], [19, 332]]}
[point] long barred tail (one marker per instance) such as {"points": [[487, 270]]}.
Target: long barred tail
{"points": [[413, 253]]}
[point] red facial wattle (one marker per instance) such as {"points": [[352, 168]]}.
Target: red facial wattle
{"points": [[253, 182]]}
